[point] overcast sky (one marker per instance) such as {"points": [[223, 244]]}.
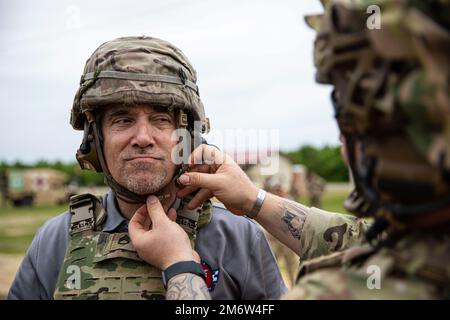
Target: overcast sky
{"points": [[253, 60]]}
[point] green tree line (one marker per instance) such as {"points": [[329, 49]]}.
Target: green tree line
{"points": [[325, 161]]}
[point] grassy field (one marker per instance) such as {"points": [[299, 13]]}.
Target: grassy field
{"points": [[18, 226], [334, 201], [17, 229]]}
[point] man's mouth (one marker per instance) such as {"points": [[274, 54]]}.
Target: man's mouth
{"points": [[144, 158]]}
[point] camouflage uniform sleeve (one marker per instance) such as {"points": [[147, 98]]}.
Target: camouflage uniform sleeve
{"points": [[330, 284], [338, 283], [325, 232]]}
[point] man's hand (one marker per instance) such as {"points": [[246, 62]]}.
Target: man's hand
{"points": [[216, 174], [159, 240]]}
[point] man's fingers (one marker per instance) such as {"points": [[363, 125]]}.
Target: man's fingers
{"points": [[205, 154], [155, 210], [186, 190], [137, 224], [201, 180], [139, 218], [196, 256], [168, 202], [205, 168], [172, 214], [210, 155], [199, 198], [148, 222], [196, 157]]}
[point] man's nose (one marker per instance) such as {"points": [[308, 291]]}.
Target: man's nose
{"points": [[144, 135]]}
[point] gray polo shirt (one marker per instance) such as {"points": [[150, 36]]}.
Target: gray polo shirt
{"points": [[233, 249]]}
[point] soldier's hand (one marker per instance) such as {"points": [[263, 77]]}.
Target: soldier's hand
{"points": [[158, 239], [216, 174]]}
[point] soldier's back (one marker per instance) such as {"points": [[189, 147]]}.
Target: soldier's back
{"points": [[415, 267]]}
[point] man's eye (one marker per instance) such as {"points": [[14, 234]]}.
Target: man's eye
{"points": [[162, 119], [121, 121]]}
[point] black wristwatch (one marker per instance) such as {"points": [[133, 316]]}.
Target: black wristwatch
{"points": [[182, 267]]}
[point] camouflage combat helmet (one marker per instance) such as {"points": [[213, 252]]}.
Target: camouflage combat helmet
{"points": [[391, 98], [133, 70]]}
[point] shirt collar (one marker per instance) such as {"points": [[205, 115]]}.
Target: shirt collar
{"points": [[114, 217]]}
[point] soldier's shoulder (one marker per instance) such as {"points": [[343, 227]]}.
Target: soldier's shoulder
{"points": [[414, 268], [325, 232], [363, 284]]}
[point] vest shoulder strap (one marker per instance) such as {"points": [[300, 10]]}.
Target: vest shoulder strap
{"points": [[87, 212]]}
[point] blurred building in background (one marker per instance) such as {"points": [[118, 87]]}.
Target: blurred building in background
{"points": [[26, 187]]}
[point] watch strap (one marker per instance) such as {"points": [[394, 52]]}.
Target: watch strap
{"points": [[182, 267]]}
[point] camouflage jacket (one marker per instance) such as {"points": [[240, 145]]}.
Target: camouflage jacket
{"points": [[415, 267], [325, 232]]}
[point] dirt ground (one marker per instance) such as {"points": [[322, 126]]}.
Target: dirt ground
{"points": [[9, 264]]}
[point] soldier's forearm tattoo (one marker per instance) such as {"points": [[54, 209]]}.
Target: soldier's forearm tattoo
{"points": [[187, 286], [294, 216]]}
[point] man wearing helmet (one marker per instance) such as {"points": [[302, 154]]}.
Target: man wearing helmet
{"points": [[135, 93], [391, 100]]}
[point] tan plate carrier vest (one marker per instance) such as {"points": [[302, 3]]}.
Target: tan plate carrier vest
{"points": [[103, 265]]}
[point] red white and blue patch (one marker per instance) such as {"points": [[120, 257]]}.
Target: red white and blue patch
{"points": [[212, 276]]}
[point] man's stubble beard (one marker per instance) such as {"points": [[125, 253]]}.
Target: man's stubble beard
{"points": [[135, 177]]}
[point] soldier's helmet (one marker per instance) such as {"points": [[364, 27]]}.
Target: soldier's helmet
{"points": [[389, 63], [128, 71]]}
